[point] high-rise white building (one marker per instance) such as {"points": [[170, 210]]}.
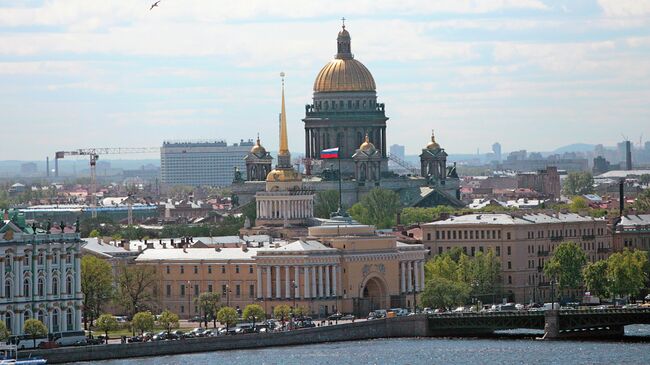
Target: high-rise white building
{"points": [[197, 163]]}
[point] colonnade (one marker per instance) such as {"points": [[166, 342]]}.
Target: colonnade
{"points": [[293, 208], [298, 281], [411, 276]]}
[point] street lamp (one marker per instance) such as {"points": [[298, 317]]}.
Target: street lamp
{"points": [[552, 294], [227, 295]]}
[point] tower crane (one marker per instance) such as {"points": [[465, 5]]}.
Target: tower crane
{"points": [[94, 154]]}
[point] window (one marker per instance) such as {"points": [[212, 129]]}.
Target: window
{"points": [[70, 319], [471, 235], [41, 316], [251, 291], [508, 235], [168, 290], [41, 287], [196, 290], [68, 285], [41, 258], [250, 269], [509, 265], [209, 288], [480, 248], [182, 309], [236, 269], [68, 258], [55, 320], [454, 234], [182, 269], [26, 260], [167, 269], [509, 279], [498, 250], [509, 251], [237, 290], [439, 250], [209, 269], [8, 320], [55, 258], [223, 269], [26, 287], [473, 250], [55, 286], [464, 234], [182, 290], [196, 269]]}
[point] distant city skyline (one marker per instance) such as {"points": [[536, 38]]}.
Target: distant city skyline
{"points": [[529, 74]]}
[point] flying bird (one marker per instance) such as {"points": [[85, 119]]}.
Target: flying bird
{"points": [[154, 5]]}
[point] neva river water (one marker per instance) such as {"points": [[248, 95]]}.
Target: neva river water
{"points": [[426, 351]]}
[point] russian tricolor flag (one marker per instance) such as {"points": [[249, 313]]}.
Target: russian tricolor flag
{"points": [[330, 153]]}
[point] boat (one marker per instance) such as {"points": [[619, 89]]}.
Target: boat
{"points": [[9, 356]]}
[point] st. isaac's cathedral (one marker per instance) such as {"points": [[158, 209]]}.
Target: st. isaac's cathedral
{"points": [[344, 113]]}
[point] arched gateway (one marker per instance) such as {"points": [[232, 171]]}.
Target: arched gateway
{"points": [[372, 295]]}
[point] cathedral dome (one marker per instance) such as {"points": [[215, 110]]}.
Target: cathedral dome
{"points": [[367, 146], [258, 149], [283, 175], [433, 145], [344, 73]]}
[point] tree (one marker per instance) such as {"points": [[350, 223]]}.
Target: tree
{"points": [[106, 323], [209, 305], [282, 312], [578, 183], [300, 311], [625, 272], [594, 276], [441, 266], [4, 332], [168, 320], [326, 202], [143, 321], [566, 265], [94, 233], [445, 293], [96, 286], [253, 312], [34, 329], [578, 204], [135, 286], [379, 207], [485, 277], [227, 316], [645, 179], [642, 202], [423, 215]]}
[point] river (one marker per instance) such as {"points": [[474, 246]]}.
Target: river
{"points": [[428, 351]]}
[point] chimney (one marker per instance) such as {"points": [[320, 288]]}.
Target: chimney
{"points": [[628, 155], [47, 166], [444, 216], [149, 245], [399, 218], [621, 196]]}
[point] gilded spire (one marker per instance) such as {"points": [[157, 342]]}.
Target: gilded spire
{"points": [[284, 144]]}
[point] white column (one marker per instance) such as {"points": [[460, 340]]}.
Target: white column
{"points": [[307, 293], [269, 292], [17, 270], [48, 321], [314, 293], [296, 279], [335, 270], [422, 280], [409, 280], [259, 282], [287, 283], [328, 288], [416, 272], [77, 318], [278, 290], [77, 273], [402, 287], [2, 275], [320, 281]]}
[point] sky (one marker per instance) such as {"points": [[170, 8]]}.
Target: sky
{"points": [[530, 74]]}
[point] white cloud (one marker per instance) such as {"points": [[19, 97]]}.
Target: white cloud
{"points": [[625, 8]]}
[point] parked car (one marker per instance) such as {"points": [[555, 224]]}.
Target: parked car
{"points": [[196, 319], [347, 317], [335, 316]]}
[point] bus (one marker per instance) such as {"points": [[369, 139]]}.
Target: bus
{"points": [[25, 342], [68, 338]]}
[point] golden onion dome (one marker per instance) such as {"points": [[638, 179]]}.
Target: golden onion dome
{"points": [[258, 149], [283, 175], [367, 146], [344, 73], [433, 145]]}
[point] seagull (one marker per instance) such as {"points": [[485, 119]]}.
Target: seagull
{"points": [[154, 5]]}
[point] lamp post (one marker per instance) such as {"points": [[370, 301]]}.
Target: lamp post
{"points": [[189, 300], [552, 294], [227, 295]]}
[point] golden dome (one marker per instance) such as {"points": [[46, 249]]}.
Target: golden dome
{"points": [[367, 146], [278, 174], [344, 75], [433, 145], [258, 149]]}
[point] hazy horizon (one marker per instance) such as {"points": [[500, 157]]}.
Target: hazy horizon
{"points": [[530, 74]]}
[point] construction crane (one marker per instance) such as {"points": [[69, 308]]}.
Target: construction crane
{"points": [[94, 154]]}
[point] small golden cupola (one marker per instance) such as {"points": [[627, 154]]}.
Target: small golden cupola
{"points": [[367, 146], [433, 145], [258, 149]]}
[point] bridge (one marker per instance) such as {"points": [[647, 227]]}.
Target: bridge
{"points": [[556, 324]]}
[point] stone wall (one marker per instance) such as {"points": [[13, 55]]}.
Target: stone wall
{"points": [[413, 326]]}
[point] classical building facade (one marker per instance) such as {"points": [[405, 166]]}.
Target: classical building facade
{"points": [[41, 275], [632, 232], [523, 243], [258, 162]]}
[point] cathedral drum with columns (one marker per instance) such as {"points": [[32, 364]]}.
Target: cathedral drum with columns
{"points": [[41, 270]]}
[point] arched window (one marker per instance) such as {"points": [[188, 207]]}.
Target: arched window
{"points": [[69, 319], [26, 287], [8, 320], [41, 316], [41, 287], [41, 259], [8, 288], [8, 263], [68, 284], [55, 286], [26, 315], [55, 320]]}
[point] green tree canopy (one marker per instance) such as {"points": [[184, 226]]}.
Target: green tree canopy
{"points": [[642, 202], [625, 272], [4, 332], [96, 286], [445, 293], [253, 313], [227, 316], [326, 202], [300, 311], [168, 320], [578, 204], [135, 286], [578, 183], [566, 265], [94, 233], [379, 207], [594, 276], [143, 321], [209, 304], [282, 312], [106, 323], [34, 329]]}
